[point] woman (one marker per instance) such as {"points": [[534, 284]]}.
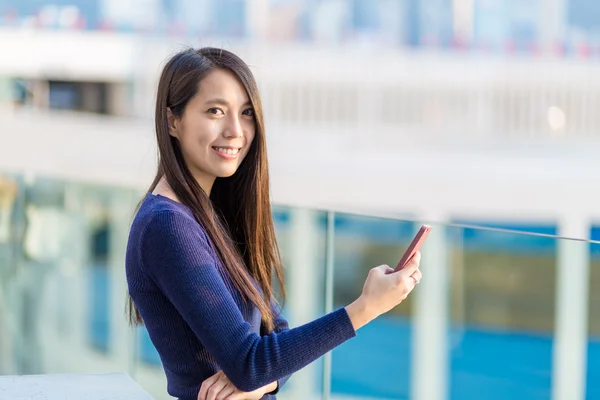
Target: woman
{"points": [[202, 250]]}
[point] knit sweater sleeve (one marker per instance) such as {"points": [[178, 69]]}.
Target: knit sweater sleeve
{"points": [[280, 325], [177, 256]]}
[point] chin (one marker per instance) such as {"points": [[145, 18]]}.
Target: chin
{"points": [[226, 174]]}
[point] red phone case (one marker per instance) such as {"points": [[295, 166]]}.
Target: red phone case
{"points": [[415, 245]]}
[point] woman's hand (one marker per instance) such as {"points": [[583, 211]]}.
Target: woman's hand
{"points": [[219, 387], [383, 290]]}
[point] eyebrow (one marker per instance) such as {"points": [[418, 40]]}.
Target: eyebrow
{"points": [[224, 102]]}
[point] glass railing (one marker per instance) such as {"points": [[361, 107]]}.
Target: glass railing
{"points": [[499, 314]]}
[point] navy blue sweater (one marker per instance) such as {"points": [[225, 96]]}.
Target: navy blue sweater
{"points": [[198, 321]]}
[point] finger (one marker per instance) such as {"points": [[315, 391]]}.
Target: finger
{"points": [[381, 269], [417, 258], [409, 284], [216, 388], [412, 266], [206, 385], [387, 269], [406, 282], [226, 392], [417, 276]]}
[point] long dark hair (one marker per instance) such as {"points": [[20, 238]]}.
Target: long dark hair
{"points": [[237, 215]]}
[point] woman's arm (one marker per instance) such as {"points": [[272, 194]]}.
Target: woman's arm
{"points": [[280, 324], [177, 256]]}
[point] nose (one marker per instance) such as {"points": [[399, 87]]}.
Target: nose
{"points": [[234, 128]]}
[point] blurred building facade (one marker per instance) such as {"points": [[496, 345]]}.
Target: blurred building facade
{"points": [[445, 23]]}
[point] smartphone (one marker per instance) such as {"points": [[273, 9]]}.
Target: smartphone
{"points": [[415, 245]]}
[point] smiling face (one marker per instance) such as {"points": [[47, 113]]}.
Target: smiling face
{"points": [[216, 129]]}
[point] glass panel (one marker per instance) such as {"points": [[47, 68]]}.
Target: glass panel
{"points": [[384, 345], [301, 235], [10, 226], [61, 261], [593, 353], [502, 313]]}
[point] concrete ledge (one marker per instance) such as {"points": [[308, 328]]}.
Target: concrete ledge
{"points": [[115, 386]]}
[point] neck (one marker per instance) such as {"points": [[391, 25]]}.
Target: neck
{"points": [[205, 182]]}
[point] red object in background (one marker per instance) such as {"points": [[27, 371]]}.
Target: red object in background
{"points": [[583, 50], [80, 24], [459, 43], [12, 15], [104, 25], [511, 46]]}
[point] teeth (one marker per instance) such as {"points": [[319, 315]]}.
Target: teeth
{"points": [[228, 151]]}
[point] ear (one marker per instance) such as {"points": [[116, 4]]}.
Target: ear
{"points": [[172, 123]]}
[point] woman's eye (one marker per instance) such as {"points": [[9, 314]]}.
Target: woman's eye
{"points": [[215, 111], [249, 112]]}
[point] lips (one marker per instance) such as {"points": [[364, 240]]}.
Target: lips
{"points": [[230, 151]]}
